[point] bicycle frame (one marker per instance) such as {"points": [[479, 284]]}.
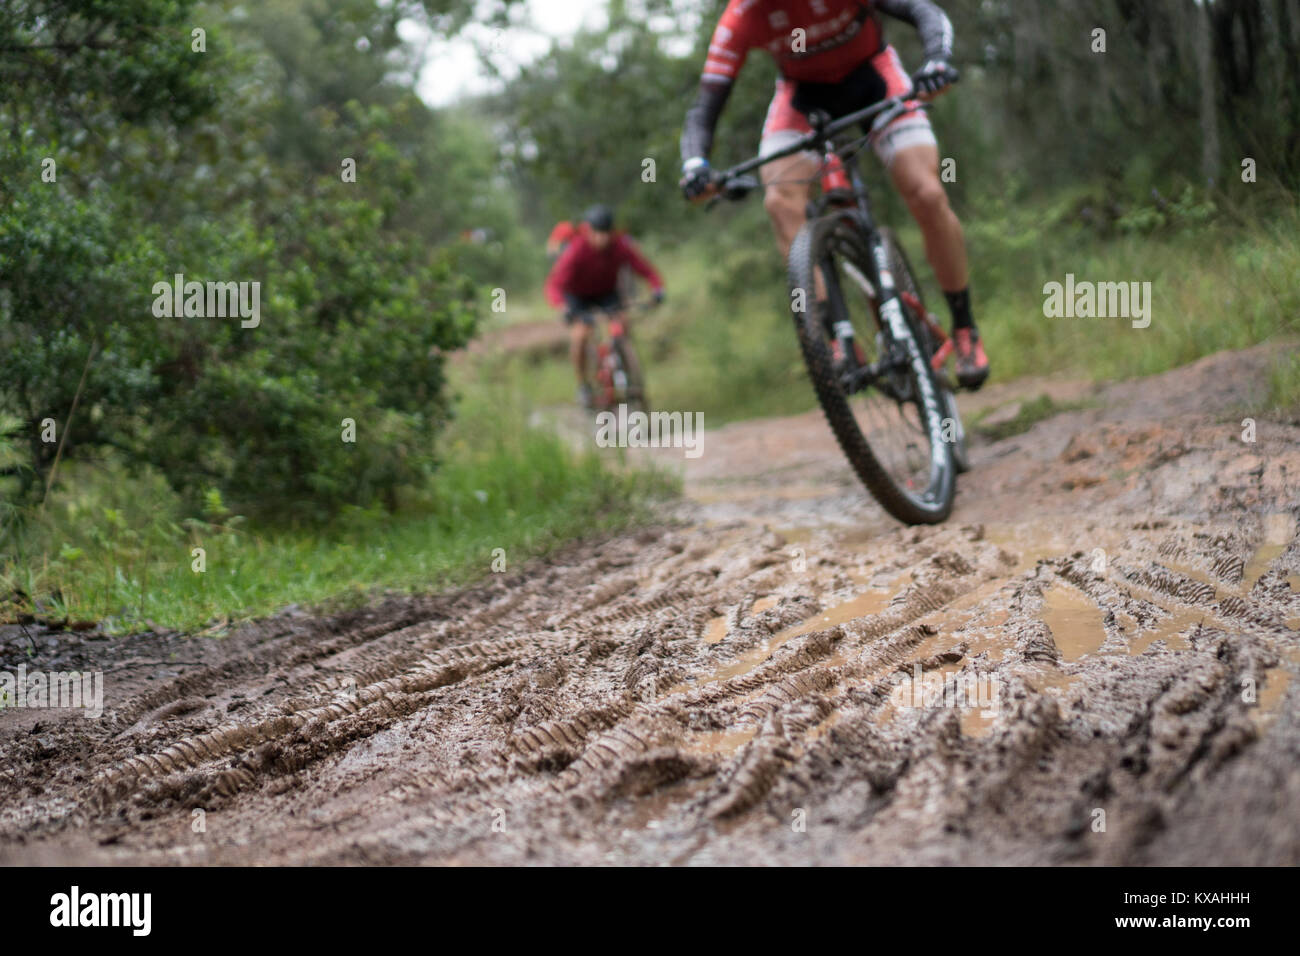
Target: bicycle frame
{"points": [[606, 358], [845, 191]]}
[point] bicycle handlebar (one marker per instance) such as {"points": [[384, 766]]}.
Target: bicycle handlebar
{"points": [[735, 184]]}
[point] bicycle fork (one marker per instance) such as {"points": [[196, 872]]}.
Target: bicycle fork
{"points": [[882, 292], [841, 187]]}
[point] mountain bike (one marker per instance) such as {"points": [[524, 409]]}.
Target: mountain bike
{"points": [[619, 376], [869, 349]]}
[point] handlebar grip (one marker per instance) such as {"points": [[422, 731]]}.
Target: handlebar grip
{"points": [[733, 188], [740, 187]]}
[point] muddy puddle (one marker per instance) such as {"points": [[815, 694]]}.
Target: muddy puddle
{"points": [[864, 605], [1279, 532]]}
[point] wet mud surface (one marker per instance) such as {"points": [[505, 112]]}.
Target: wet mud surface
{"points": [[1093, 662]]}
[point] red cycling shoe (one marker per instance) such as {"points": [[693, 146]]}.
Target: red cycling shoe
{"points": [[972, 363]]}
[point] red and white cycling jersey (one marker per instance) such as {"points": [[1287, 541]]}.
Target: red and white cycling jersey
{"points": [[831, 55], [815, 41]]}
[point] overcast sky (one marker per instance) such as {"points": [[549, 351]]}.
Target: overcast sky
{"points": [[454, 68]]}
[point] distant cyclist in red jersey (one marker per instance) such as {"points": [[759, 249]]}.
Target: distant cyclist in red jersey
{"points": [[832, 56], [585, 280]]}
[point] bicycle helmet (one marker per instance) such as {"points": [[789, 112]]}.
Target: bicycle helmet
{"points": [[600, 218]]}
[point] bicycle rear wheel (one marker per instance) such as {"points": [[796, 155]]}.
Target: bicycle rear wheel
{"points": [[891, 430]]}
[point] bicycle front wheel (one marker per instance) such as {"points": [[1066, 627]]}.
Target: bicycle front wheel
{"points": [[634, 382], [880, 396]]}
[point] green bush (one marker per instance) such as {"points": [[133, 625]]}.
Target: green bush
{"points": [[232, 174], [354, 323]]}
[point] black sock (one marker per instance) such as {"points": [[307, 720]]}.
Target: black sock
{"points": [[959, 306]]}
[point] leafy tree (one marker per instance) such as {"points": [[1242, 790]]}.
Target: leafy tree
{"points": [[226, 165]]}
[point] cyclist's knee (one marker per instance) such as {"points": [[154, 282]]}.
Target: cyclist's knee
{"points": [[784, 202], [925, 197]]}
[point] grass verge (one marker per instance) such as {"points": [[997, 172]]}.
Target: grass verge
{"points": [[1029, 413], [114, 548], [1284, 388]]}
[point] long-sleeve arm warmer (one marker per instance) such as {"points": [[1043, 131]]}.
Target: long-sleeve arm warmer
{"points": [[702, 117], [557, 283], [930, 21]]}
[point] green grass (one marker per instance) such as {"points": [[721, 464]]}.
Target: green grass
{"points": [[113, 547], [1031, 412], [1284, 388], [1215, 286]]}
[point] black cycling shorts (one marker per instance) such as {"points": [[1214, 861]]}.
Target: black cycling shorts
{"points": [[584, 308]]}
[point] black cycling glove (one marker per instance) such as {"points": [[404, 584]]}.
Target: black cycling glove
{"points": [[935, 76], [697, 177]]}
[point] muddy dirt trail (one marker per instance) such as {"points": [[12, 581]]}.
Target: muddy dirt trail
{"points": [[1093, 662]]}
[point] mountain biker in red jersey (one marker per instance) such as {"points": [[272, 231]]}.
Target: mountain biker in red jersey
{"points": [[585, 280], [832, 56]]}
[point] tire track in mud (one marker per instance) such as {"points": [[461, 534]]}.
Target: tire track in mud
{"points": [[1090, 673]]}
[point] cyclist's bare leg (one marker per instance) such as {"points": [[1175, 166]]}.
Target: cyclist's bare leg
{"points": [[915, 172], [788, 187], [579, 333]]}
